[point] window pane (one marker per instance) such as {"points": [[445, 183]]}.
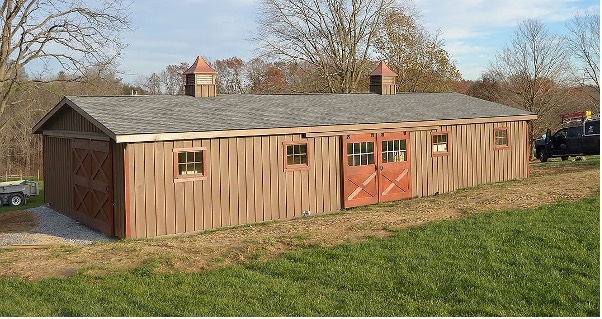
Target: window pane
{"points": [[501, 137], [198, 167], [296, 154], [303, 159], [190, 163], [592, 127], [350, 159], [439, 143], [303, 148]]}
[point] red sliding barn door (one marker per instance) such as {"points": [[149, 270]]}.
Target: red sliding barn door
{"points": [[394, 166], [376, 168], [93, 184], [360, 182]]}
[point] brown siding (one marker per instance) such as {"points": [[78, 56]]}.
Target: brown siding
{"points": [[245, 183], [119, 189], [69, 120], [58, 179], [472, 159]]}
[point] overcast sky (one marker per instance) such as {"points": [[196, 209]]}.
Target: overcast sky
{"points": [[174, 31]]}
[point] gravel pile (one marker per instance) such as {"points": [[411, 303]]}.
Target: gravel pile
{"points": [[56, 227]]}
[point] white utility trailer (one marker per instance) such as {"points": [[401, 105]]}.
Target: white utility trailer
{"points": [[15, 193]]}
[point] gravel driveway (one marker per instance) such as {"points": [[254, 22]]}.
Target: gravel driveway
{"points": [[54, 227]]}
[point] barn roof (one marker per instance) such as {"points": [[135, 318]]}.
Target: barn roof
{"points": [[120, 116]]}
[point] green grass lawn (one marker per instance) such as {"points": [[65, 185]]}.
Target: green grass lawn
{"points": [[34, 201], [591, 160], [536, 262]]}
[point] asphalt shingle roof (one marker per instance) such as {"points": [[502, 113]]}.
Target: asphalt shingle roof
{"points": [[125, 115]]}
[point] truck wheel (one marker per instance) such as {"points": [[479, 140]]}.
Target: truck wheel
{"points": [[16, 200], [543, 157], [564, 158]]}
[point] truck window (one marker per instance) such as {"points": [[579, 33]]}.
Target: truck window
{"points": [[561, 133], [576, 131], [592, 127]]}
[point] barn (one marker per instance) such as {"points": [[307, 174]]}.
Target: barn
{"points": [[145, 166]]}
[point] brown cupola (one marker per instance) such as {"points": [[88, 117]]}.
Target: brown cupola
{"points": [[382, 80], [200, 79]]}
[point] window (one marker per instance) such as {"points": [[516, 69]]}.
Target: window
{"points": [[296, 156], [592, 127], [190, 163], [361, 153], [500, 135], [440, 143], [394, 151], [561, 134], [576, 131]]}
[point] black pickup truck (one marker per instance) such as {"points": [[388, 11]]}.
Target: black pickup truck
{"points": [[578, 140]]}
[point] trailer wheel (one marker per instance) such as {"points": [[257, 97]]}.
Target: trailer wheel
{"points": [[16, 200]]}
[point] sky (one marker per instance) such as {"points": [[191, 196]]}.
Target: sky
{"points": [[169, 32]]}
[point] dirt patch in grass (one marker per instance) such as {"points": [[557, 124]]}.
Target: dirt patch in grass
{"points": [[547, 184], [17, 221]]}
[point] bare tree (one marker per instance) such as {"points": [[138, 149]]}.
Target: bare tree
{"points": [[335, 36], [584, 44], [152, 84], [414, 54], [70, 33], [230, 75], [535, 70], [171, 78]]}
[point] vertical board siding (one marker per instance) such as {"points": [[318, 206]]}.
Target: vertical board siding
{"points": [[58, 185], [69, 120], [119, 181], [58, 178], [245, 183], [472, 159]]}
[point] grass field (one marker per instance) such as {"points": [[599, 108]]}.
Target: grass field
{"points": [[591, 160], [534, 262]]}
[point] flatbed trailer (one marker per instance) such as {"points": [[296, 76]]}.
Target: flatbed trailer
{"points": [[15, 193]]}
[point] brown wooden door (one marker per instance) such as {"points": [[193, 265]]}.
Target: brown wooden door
{"points": [[93, 184], [360, 181], [394, 181], [376, 168]]}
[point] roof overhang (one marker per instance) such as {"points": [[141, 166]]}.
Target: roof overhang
{"points": [[65, 102], [329, 130]]}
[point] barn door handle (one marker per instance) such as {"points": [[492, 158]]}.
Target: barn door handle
{"points": [[381, 167]]}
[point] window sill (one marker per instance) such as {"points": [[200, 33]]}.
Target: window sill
{"points": [[189, 178], [440, 154], [296, 168]]}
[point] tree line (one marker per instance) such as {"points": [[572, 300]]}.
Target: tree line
{"points": [[304, 46]]}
